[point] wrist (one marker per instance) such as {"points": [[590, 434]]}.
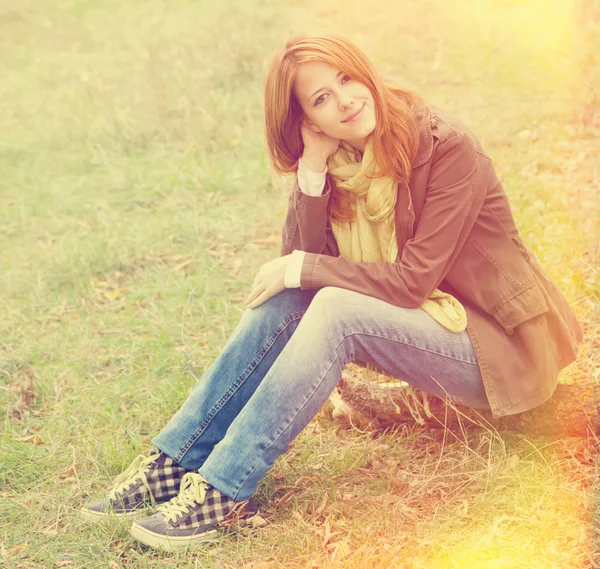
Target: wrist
{"points": [[314, 162], [293, 269]]}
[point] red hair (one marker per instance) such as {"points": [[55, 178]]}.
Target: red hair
{"points": [[395, 138]]}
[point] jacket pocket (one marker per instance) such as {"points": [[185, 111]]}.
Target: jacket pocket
{"points": [[523, 304], [493, 272]]}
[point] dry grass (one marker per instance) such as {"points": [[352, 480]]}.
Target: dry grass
{"points": [[135, 207]]}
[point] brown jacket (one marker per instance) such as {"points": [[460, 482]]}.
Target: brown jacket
{"points": [[456, 232]]}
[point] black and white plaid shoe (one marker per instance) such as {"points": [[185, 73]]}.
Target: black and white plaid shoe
{"points": [[196, 515], [148, 481]]}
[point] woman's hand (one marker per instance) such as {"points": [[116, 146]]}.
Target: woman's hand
{"points": [[269, 280], [318, 147]]}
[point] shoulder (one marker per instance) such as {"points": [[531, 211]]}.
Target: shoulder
{"points": [[441, 132]]}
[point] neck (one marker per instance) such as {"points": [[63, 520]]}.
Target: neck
{"points": [[358, 150], [359, 143]]}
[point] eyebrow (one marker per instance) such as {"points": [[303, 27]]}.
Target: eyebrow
{"points": [[340, 73]]}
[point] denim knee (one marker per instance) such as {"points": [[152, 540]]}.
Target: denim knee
{"points": [[330, 311], [289, 302]]}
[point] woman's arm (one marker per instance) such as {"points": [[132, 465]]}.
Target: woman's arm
{"points": [[311, 181], [454, 199], [306, 227]]}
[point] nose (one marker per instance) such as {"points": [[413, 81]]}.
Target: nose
{"points": [[344, 101]]}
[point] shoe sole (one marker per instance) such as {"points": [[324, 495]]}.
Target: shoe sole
{"points": [[92, 516], [171, 543], [175, 543]]}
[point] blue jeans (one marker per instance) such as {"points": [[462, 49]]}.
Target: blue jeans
{"points": [[282, 362]]}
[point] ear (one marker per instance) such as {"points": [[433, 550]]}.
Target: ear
{"points": [[309, 124]]}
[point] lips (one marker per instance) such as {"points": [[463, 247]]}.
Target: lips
{"points": [[354, 115]]}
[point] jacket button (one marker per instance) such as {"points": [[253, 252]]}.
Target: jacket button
{"points": [[510, 332]]}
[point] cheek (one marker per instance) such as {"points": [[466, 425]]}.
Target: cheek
{"points": [[364, 93], [328, 121]]}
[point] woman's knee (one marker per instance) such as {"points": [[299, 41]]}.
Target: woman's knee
{"points": [[324, 309], [330, 309], [276, 313], [332, 302], [289, 302]]}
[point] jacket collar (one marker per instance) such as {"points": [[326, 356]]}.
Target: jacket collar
{"points": [[425, 149]]}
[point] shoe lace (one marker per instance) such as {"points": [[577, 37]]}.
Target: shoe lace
{"points": [[136, 472], [192, 492]]}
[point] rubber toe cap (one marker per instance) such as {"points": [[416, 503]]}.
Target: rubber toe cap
{"points": [[156, 523]]}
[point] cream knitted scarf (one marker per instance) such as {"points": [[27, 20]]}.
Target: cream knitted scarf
{"points": [[372, 235]]}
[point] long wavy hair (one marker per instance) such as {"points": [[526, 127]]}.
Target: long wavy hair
{"points": [[395, 138]]}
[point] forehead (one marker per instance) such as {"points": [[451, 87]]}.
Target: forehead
{"points": [[313, 75]]}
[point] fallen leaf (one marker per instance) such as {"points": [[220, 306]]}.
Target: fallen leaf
{"points": [[182, 266], [50, 532], [257, 522], [24, 390], [513, 460], [68, 474], [17, 548], [341, 549], [273, 238], [33, 439]]}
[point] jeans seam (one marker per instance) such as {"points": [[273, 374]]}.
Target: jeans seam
{"points": [[311, 392], [236, 385], [373, 334], [294, 414]]}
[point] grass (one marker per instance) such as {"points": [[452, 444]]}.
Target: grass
{"points": [[136, 206]]}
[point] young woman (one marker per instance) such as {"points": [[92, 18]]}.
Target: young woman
{"points": [[399, 250]]}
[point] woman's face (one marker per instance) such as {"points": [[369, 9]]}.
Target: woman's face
{"points": [[329, 97]]}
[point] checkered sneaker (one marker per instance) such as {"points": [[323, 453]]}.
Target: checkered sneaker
{"points": [[195, 515], [148, 481]]}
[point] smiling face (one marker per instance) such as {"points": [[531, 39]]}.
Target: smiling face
{"points": [[329, 98]]}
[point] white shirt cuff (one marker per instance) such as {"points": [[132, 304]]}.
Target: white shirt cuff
{"points": [[293, 271], [309, 182]]}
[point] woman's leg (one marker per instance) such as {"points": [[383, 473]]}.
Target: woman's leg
{"points": [[228, 384], [206, 415], [339, 326]]}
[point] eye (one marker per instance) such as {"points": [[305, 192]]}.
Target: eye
{"points": [[320, 99]]}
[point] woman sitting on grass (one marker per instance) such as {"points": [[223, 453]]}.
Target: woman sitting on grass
{"points": [[399, 250]]}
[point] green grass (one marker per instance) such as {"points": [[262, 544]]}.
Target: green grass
{"points": [[136, 206]]}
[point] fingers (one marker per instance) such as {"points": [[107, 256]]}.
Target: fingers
{"points": [[255, 292], [257, 279], [269, 280], [264, 295]]}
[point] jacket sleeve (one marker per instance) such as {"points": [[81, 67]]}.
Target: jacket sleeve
{"points": [[452, 203], [306, 226]]}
